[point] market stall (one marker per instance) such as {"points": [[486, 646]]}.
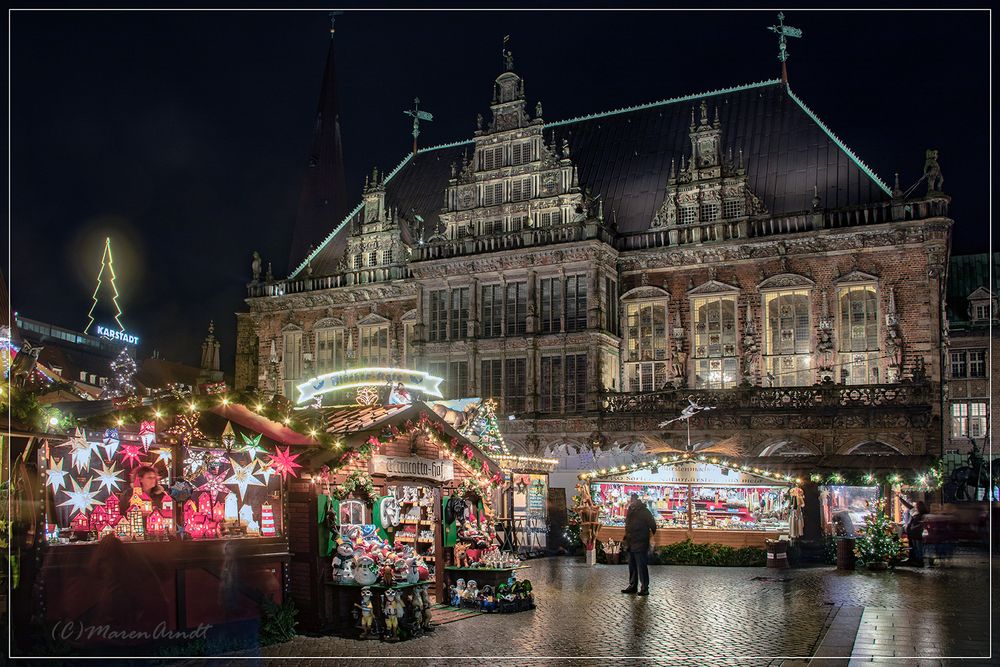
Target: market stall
{"points": [[176, 519], [706, 500], [404, 499]]}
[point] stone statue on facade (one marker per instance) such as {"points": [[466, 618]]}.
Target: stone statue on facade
{"points": [[932, 172], [255, 266], [538, 109], [479, 121], [270, 274]]}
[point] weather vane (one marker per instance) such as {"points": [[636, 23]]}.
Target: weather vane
{"points": [[784, 31], [417, 116]]}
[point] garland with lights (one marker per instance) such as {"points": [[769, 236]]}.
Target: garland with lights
{"points": [[933, 478], [121, 383], [677, 459], [359, 483]]}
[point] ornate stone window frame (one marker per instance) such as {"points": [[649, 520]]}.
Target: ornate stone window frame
{"points": [[849, 362], [409, 322], [367, 327], [334, 325], [635, 371], [770, 288], [292, 339], [728, 365]]}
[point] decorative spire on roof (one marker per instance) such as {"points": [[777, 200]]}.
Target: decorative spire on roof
{"points": [[324, 191], [210, 350], [417, 115], [784, 31]]}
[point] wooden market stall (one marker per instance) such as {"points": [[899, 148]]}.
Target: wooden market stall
{"points": [[207, 550], [706, 500], [402, 470]]}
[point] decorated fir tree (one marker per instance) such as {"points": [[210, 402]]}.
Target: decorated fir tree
{"points": [[877, 540], [485, 430], [121, 383]]}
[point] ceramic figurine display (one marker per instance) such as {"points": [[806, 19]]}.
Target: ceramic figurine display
{"points": [[392, 609], [367, 614], [461, 555], [471, 596], [425, 598], [365, 571], [343, 561]]}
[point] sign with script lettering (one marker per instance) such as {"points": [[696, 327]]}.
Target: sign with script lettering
{"points": [[439, 470]]}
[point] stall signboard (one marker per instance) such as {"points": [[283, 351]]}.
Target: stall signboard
{"points": [[426, 384], [692, 472], [439, 470], [537, 496]]}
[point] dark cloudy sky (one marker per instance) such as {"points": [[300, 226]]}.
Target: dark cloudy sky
{"points": [[184, 135]]}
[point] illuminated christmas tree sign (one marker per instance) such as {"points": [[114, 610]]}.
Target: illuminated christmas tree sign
{"points": [[426, 384]]}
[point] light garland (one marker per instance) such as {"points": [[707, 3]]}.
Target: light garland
{"points": [[687, 457], [114, 299]]}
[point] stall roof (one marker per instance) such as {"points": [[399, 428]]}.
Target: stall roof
{"points": [[251, 421], [752, 469], [357, 423]]}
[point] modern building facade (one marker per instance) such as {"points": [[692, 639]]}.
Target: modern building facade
{"points": [[594, 275]]}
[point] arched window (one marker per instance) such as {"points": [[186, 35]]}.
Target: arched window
{"points": [[353, 513]]}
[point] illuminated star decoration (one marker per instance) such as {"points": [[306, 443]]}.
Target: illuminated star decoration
{"points": [[195, 462], [147, 434], [131, 453], [109, 477], [284, 462], [81, 499], [251, 445], [214, 485], [80, 450], [163, 454], [186, 428], [228, 437], [55, 475], [243, 476], [110, 442], [266, 471]]}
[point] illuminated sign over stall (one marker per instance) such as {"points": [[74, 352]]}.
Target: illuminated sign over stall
{"points": [[426, 384]]}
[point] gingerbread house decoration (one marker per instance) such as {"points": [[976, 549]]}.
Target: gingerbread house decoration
{"points": [[154, 523], [80, 523]]}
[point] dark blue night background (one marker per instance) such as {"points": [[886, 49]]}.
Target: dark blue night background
{"points": [[184, 135]]}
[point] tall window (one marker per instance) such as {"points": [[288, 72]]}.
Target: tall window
{"points": [[611, 321], [787, 337], [550, 306], [977, 363], [517, 308], [958, 365], [576, 302], [550, 384], [732, 208], [646, 341], [715, 359], [491, 306], [330, 349], [709, 212], [491, 378], [455, 375], [859, 349], [521, 153], [492, 194], [687, 215], [576, 382], [968, 420], [387, 256], [373, 259], [408, 328], [357, 262], [459, 312], [438, 329], [514, 384], [374, 347], [520, 189], [291, 358]]}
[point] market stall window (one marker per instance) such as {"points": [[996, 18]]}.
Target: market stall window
{"points": [[845, 508], [353, 513]]}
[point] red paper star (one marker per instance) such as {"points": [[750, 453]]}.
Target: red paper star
{"points": [[131, 452], [214, 484], [284, 462]]}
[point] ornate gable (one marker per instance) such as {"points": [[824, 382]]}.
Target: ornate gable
{"points": [[855, 277], [409, 316], [785, 280], [329, 323], [713, 287], [371, 319]]}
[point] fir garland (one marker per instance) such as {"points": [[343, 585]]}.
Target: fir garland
{"points": [[358, 483]]}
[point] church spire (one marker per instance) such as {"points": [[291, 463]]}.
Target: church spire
{"points": [[323, 199]]}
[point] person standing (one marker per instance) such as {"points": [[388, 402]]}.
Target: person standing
{"points": [[639, 527]]}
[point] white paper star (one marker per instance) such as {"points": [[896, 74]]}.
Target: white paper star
{"points": [[243, 476], [81, 500], [55, 475], [109, 477], [266, 471], [163, 454], [80, 451]]}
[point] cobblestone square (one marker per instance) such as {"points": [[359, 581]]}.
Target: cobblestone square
{"points": [[705, 615]]}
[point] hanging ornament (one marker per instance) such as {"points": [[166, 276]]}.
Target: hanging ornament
{"points": [[110, 442], [80, 450], [243, 476], [251, 445], [367, 395], [109, 477], [163, 454], [266, 472], [284, 462], [131, 453], [55, 476], [186, 429], [147, 434], [215, 461], [228, 437], [81, 499], [214, 485], [195, 462]]}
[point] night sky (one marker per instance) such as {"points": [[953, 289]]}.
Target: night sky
{"points": [[184, 135]]}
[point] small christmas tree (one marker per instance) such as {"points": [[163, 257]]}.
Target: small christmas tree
{"points": [[485, 430], [877, 541], [120, 383]]}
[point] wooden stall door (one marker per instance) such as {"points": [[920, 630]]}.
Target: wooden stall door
{"points": [[305, 571]]}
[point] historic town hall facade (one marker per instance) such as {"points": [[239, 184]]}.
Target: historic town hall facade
{"points": [[595, 274]]}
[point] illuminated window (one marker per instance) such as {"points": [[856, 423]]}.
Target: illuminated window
{"points": [[374, 345], [859, 349], [646, 341], [353, 513], [650, 376], [715, 360], [330, 348], [787, 337]]}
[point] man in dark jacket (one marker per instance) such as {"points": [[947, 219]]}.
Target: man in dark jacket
{"points": [[639, 526]]}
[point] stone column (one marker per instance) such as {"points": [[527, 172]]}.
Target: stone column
{"points": [[531, 325]]}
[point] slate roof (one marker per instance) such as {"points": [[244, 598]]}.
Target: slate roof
{"points": [[624, 156], [966, 274]]}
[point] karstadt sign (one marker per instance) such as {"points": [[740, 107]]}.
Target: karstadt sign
{"points": [[118, 335]]}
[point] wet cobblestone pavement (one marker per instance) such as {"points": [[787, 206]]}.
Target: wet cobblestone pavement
{"points": [[705, 615]]}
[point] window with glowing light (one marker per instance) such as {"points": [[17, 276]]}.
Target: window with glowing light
{"points": [[858, 332], [788, 338], [715, 359]]}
